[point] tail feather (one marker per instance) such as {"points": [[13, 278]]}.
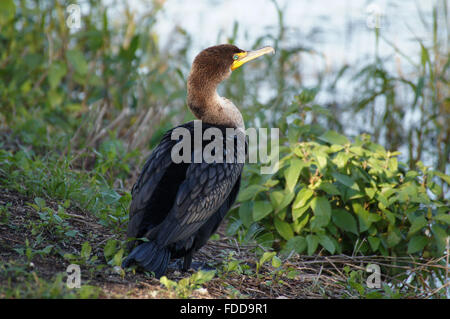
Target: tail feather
{"points": [[150, 257]]}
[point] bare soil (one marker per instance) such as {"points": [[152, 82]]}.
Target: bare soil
{"points": [[14, 233]]}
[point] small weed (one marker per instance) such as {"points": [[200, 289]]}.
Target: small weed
{"points": [[29, 252], [233, 265], [5, 214], [51, 223], [84, 258], [186, 286]]}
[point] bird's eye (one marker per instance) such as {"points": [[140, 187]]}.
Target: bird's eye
{"points": [[235, 57]]}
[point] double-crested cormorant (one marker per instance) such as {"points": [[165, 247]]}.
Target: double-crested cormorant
{"points": [[177, 206]]}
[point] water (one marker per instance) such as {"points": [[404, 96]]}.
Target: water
{"points": [[343, 32], [344, 28]]}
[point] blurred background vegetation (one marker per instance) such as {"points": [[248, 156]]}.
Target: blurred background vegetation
{"points": [[81, 108], [116, 74]]}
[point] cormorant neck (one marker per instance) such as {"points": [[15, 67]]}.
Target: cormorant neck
{"points": [[208, 106]]}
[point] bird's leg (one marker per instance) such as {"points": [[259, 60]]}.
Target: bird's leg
{"points": [[187, 261], [196, 265]]}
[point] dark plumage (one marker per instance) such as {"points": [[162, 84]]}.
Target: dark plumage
{"points": [[177, 207]]}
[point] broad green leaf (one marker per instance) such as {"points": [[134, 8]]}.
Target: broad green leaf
{"points": [[345, 220], [261, 209], [245, 213], [341, 159], [287, 199], [443, 218], [265, 239], [281, 199], [346, 180], [322, 210], [276, 198], [56, 73], [444, 177], [296, 243], [268, 255], [358, 150], [333, 137], [298, 212], [77, 61], [393, 239], [440, 237], [374, 243], [393, 164], [370, 192], [300, 223], [283, 228], [302, 197], [378, 149], [110, 248], [293, 172], [117, 260], [276, 262], [293, 135], [307, 95], [411, 175], [365, 218], [321, 159], [203, 276], [327, 243], [418, 224], [250, 192], [233, 227], [312, 242], [271, 183], [330, 189], [435, 188], [335, 148], [417, 243]]}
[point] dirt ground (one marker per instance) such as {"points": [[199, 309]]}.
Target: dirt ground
{"points": [[14, 233]]}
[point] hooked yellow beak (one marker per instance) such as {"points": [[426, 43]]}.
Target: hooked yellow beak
{"points": [[247, 56]]}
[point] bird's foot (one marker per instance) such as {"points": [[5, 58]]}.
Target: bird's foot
{"points": [[197, 265], [176, 264]]}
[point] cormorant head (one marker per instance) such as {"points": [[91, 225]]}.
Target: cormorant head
{"points": [[214, 64], [210, 67]]}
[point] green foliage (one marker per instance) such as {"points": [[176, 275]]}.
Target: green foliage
{"points": [[29, 252], [113, 252], [356, 287], [35, 287], [54, 178], [75, 104], [331, 193], [185, 287], [4, 213], [54, 79], [84, 258], [51, 223]]}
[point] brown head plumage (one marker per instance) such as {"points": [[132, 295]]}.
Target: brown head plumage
{"points": [[210, 67], [214, 63]]}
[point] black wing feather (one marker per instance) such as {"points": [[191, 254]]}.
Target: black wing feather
{"points": [[177, 205]]}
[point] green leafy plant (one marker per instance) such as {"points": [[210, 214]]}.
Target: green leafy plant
{"points": [[29, 252], [84, 258], [345, 197], [185, 287], [51, 222], [4, 213], [113, 252]]}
